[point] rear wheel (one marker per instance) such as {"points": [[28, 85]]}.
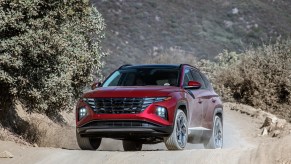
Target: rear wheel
{"points": [[216, 139], [131, 145], [86, 143], [178, 139]]}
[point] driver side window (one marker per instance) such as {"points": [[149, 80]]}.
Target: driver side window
{"points": [[187, 77]]}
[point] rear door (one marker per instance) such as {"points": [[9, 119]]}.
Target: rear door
{"points": [[211, 102], [204, 96]]}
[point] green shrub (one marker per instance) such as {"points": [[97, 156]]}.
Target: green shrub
{"points": [[48, 50]]}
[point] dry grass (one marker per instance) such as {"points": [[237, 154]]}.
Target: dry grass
{"points": [[50, 133], [39, 129], [7, 135], [260, 78]]}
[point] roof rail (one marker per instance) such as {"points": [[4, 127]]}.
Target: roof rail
{"points": [[189, 66], [185, 64], [125, 65]]}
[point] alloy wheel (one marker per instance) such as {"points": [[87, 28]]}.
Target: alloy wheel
{"points": [[181, 130]]}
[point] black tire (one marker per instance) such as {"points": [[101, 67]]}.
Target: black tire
{"points": [[178, 139], [216, 139], [86, 143], [131, 145]]}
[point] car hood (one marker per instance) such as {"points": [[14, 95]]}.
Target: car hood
{"points": [[133, 91]]}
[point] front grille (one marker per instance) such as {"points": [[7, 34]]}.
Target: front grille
{"points": [[119, 105], [120, 124]]}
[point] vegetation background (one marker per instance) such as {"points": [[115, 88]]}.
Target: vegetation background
{"points": [[48, 52]]}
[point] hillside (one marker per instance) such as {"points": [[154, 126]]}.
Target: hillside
{"points": [[137, 29]]}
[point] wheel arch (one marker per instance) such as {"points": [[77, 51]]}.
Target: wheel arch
{"points": [[218, 111], [183, 106]]}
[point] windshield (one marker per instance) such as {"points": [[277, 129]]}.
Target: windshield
{"points": [[143, 76]]}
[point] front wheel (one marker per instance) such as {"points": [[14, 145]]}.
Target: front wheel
{"points": [[178, 139], [86, 143], [131, 145], [216, 139]]}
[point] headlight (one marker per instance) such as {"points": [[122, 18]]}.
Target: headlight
{"points": [[156, 99], [162, 112], [150, 100], [82, 113], [159, 99]]}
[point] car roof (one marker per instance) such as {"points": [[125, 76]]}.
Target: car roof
{"points": [[128, 66]]}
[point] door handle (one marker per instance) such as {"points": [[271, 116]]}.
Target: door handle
{"points": [[199, 100], [213, 100]]}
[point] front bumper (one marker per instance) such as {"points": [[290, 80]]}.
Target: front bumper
{"points": [[124, 129]]}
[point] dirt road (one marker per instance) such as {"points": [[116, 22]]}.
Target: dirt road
{"points": [[242, 144]]}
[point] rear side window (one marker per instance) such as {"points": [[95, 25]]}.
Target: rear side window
{"points": [[207, 83], [197, 77]]}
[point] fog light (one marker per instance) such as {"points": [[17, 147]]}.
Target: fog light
{"points": [[82, 113], [162, 112]]}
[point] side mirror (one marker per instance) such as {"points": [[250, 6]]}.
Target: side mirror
{"points": [[95, 85], [193, 85]]}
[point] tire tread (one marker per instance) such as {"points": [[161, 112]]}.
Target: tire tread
{"points": [[209, 144], [171, 141], [131, 145], [86, 144]]}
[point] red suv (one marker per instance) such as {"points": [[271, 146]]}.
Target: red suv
{"points": [[147, 104]]}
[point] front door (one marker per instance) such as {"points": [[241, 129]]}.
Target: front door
{"points": [[195, 103]]}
